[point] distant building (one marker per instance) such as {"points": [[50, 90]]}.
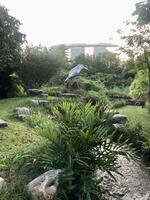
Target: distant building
{"points": [[76, 51], [99, 50], [79, 48]]}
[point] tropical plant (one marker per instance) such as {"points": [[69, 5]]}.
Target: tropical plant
{"points": [[80, 144]]}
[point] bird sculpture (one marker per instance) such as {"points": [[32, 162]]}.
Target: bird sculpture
{"points": [[75, 71]]}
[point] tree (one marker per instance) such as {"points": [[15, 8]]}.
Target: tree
{"points": [[138, 45], [143, 11], [11, 40], [39, 64], [106, 62]]}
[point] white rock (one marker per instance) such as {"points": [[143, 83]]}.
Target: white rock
{"points": [[44, 186], [3, 123], [118, 118], [2, 183], [22, 112], [39, 101]]}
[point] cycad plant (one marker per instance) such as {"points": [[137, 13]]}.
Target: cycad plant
{"points": [[79, 144]]}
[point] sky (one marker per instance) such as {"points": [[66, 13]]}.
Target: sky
{"points": [[52, 22]]}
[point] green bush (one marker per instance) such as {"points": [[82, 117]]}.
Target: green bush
{"points": [[88, 84], [79, 144], [148, 108], [134, 133], [36, 119], [118, 92], [118, 103], [53, 91], [97, 97], [138, 87]]}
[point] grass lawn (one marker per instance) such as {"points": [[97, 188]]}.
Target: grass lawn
{"points": [[18, 136], [137, 114]]}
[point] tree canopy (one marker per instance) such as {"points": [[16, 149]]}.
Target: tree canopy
{"points": [[11, 40]]}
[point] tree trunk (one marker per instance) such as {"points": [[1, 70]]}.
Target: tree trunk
{"points": [[148, 67], [148, 91]]}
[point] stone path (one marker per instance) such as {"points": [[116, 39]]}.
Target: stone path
{"points": [[134, 185]]}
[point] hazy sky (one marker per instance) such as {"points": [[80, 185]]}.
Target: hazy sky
{"points": [[50, 22]]}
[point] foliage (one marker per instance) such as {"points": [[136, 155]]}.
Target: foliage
{"points": [[39, 64], [80, 145], [10, 191], [118, 92], [118, 103], [11, 40], [138, 45], [137, 130], [53, 90], [138, 87], [106, 62], [142, 10], [148, 107], [87, 84], [97, 97], [36, 119]]}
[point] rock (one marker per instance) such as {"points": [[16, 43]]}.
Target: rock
{"points": [[117, 126], [44, 95], [22, 112], [69, 95], [39, 101], [45, 186], [3, 123], [35, 101], [136, 102], [34, 92], [2, 183], [118, 118]]}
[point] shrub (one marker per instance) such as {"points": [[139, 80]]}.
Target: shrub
{"points": [[36, 119], [87, 84], [148, 108], [118, 103], [118, 92], [133, 133], [139, 85], [79, 144], [97, 97], [53, 91]]}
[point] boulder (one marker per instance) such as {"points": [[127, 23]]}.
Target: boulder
{"points": [[39, 101], [119, 118], [34, 92], [2, 183], [45, 186], [44, 95], [117, 126], [22, 112], [69, 95], [3, 123]]}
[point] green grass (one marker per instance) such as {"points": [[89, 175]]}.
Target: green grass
{"points": [[137, 114], [18, 136]]}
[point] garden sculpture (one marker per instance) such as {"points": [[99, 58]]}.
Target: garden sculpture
{"points": [[75, 71]]}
